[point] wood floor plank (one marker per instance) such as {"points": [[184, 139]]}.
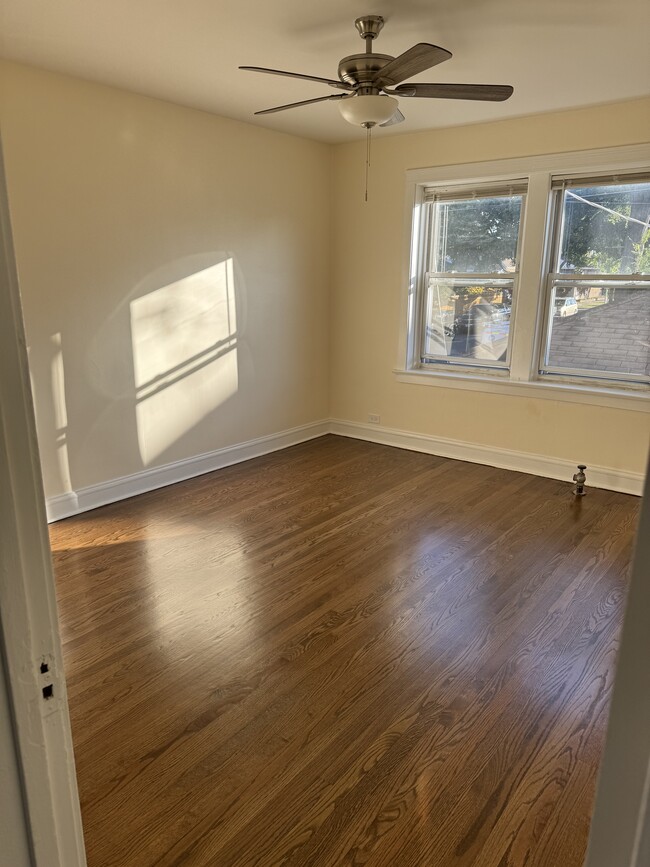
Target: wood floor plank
{"points": [[437, 749], [342, 654], [429, 725]]}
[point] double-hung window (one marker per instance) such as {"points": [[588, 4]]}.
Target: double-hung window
{"points": [[472, 253], [538, 279], [598, 286]]}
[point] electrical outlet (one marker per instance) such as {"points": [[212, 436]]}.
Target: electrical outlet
{"points": [[374, 419]]}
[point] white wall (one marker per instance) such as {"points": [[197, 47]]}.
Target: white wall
{"points": [[369, 252], [174, 268]]}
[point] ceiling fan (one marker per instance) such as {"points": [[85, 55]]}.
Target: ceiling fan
{"points": [[371, 82]]}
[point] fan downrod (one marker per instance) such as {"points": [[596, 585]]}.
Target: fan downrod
{"points": [[369, 27]]}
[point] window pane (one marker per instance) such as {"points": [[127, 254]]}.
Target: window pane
{"points": [[476, 235], [606, 230], [601, 329], [466, 320]]}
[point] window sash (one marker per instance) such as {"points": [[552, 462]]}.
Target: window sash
{"points": [[584, 373], [503, 191], [565, 372], [630, 281], [558, 186], [464, 276], [505, 281]]}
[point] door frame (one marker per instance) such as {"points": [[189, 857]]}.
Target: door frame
{"points": [[620, 827], [29, 628]]}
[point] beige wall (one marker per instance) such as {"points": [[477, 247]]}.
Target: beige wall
{"points": [[174, 271], [369, 251], [180, 270]]}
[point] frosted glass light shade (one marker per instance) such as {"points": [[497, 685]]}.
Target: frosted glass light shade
{"points": [[368, 109]]}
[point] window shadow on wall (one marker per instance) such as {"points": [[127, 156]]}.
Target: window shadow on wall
{"points": [[123, 394], [184, 340]]}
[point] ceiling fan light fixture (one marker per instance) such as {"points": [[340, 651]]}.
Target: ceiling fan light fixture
{"points": [[368, 110]]}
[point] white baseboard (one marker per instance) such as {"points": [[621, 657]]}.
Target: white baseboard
{"points": [[62, 506], [524, 462], [84, 499]]}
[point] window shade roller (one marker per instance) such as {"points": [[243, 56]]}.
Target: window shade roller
{"points": [[563, 182], [459, 193]]}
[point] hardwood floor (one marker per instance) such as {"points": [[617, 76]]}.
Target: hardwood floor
{"points": [[343, 654]]}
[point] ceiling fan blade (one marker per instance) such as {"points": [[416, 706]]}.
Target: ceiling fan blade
{"points": [[339, 85], [418, 58], [398, 117], [485, 92], [304, 102]]}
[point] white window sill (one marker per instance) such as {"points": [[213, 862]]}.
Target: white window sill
{"points": [[619, 398]]}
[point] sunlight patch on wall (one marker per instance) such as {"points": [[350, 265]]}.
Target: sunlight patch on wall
{"points": [[60, 412], [184, 355]]}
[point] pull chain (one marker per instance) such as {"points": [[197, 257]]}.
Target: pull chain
{"points": [[368, 140]]}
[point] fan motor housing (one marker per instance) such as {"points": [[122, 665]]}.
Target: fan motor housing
{"points": [[361, 68]]}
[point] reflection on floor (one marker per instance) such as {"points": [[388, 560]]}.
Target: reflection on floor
{"points": [[343, 654]]}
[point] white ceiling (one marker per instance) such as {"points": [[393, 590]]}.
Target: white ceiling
{"points": [[557, 53]]}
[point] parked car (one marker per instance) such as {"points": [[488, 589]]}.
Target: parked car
{"points": [[565, 307]]}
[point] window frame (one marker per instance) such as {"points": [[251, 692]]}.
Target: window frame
{"points": [[528, 320]]}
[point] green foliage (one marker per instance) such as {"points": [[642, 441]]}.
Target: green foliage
{"points": [[609, 243], [603, 231], [642, 253], [478, 234]]}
